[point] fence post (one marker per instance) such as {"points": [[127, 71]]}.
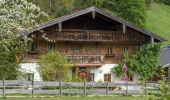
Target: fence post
{"points": [[33, 85], [126, 88], [60, 87], [107, 88], [84, 94], [3, 82], [145, 89]]}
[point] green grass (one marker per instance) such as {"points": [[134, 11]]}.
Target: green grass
{"points": [[158, 21], [77, 98]]}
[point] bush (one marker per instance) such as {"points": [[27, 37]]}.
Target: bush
{"points": [[54, 67]]}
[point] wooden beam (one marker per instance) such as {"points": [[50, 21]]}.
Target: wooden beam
{"points": [[80, 30], [56, 27], [152, 39], [60, 26], [93, 14], [124, 28]]}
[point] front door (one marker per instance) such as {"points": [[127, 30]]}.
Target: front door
{"points": [[84, 73]]}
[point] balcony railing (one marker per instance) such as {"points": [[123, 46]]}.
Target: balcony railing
{"points": [[96, 36], [76, 59]]}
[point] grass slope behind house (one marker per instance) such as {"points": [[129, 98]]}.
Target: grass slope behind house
{"points": [[158, 21]]}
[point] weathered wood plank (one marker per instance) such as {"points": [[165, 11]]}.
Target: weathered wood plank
{"points": [[72, 91], [12, 82], [46, 92], [89, 92], [19, 91], [41, 84], [72, 84]]}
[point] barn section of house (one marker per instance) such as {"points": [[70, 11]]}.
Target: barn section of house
{"points": [[91, 39]]}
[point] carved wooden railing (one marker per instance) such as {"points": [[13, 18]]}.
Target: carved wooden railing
{"points": [[80, 59], [95, 36]]}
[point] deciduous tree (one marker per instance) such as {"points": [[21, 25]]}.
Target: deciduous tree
{"points": [[16, 17], [55, 8], [132, 10], [144, 62]]}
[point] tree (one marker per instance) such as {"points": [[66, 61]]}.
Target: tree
{"points": [[54, 67], [80, 4], [16, 17], [55, 8], [109, 4], [144, 62], [167, 2], [148, 4], [133, 11]]}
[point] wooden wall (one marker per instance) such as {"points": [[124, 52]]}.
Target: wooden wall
{"points": [[94, 36], [86, 48]]}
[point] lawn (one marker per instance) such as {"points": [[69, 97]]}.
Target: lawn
{"points": [[158, 20], [77, 98]]}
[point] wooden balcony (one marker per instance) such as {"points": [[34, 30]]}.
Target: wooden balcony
{"points": [[100, 36], [84, 59]]}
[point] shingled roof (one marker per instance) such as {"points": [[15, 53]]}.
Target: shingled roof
{"points": [[100, 11]]}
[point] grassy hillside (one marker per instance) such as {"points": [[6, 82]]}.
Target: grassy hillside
{"points": [[158, 21]]}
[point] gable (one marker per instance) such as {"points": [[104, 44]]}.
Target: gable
{"points": [[90, 15]]}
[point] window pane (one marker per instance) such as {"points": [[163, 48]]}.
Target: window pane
{"points": [[92, 77], [33, 47], [76, 48], [51, 46], [107, 77]]}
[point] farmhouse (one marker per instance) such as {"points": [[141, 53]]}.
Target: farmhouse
{"points": [[91, 39]]}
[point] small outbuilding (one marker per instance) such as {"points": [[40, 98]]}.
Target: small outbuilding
{"points": [[165, 60]]}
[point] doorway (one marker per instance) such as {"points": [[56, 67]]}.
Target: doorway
{"points": [[84, 73]]}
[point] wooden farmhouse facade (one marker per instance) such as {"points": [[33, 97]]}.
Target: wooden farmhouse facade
{"points": [[91, 39]]}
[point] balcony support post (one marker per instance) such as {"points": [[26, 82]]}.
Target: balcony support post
{"points": [[124, 28], [60, 26], [93, 14]]}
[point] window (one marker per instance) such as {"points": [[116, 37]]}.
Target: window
{"points": [[29, 77], [140, 47], [51, 46], [109, 50], [82, 69], [125, 49], [107, 77], [166, 72], [33, 48], [76, 48], [92, 77], [130, 77]]}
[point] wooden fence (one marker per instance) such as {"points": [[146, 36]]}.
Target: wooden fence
{"points": [[59, 88]]}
